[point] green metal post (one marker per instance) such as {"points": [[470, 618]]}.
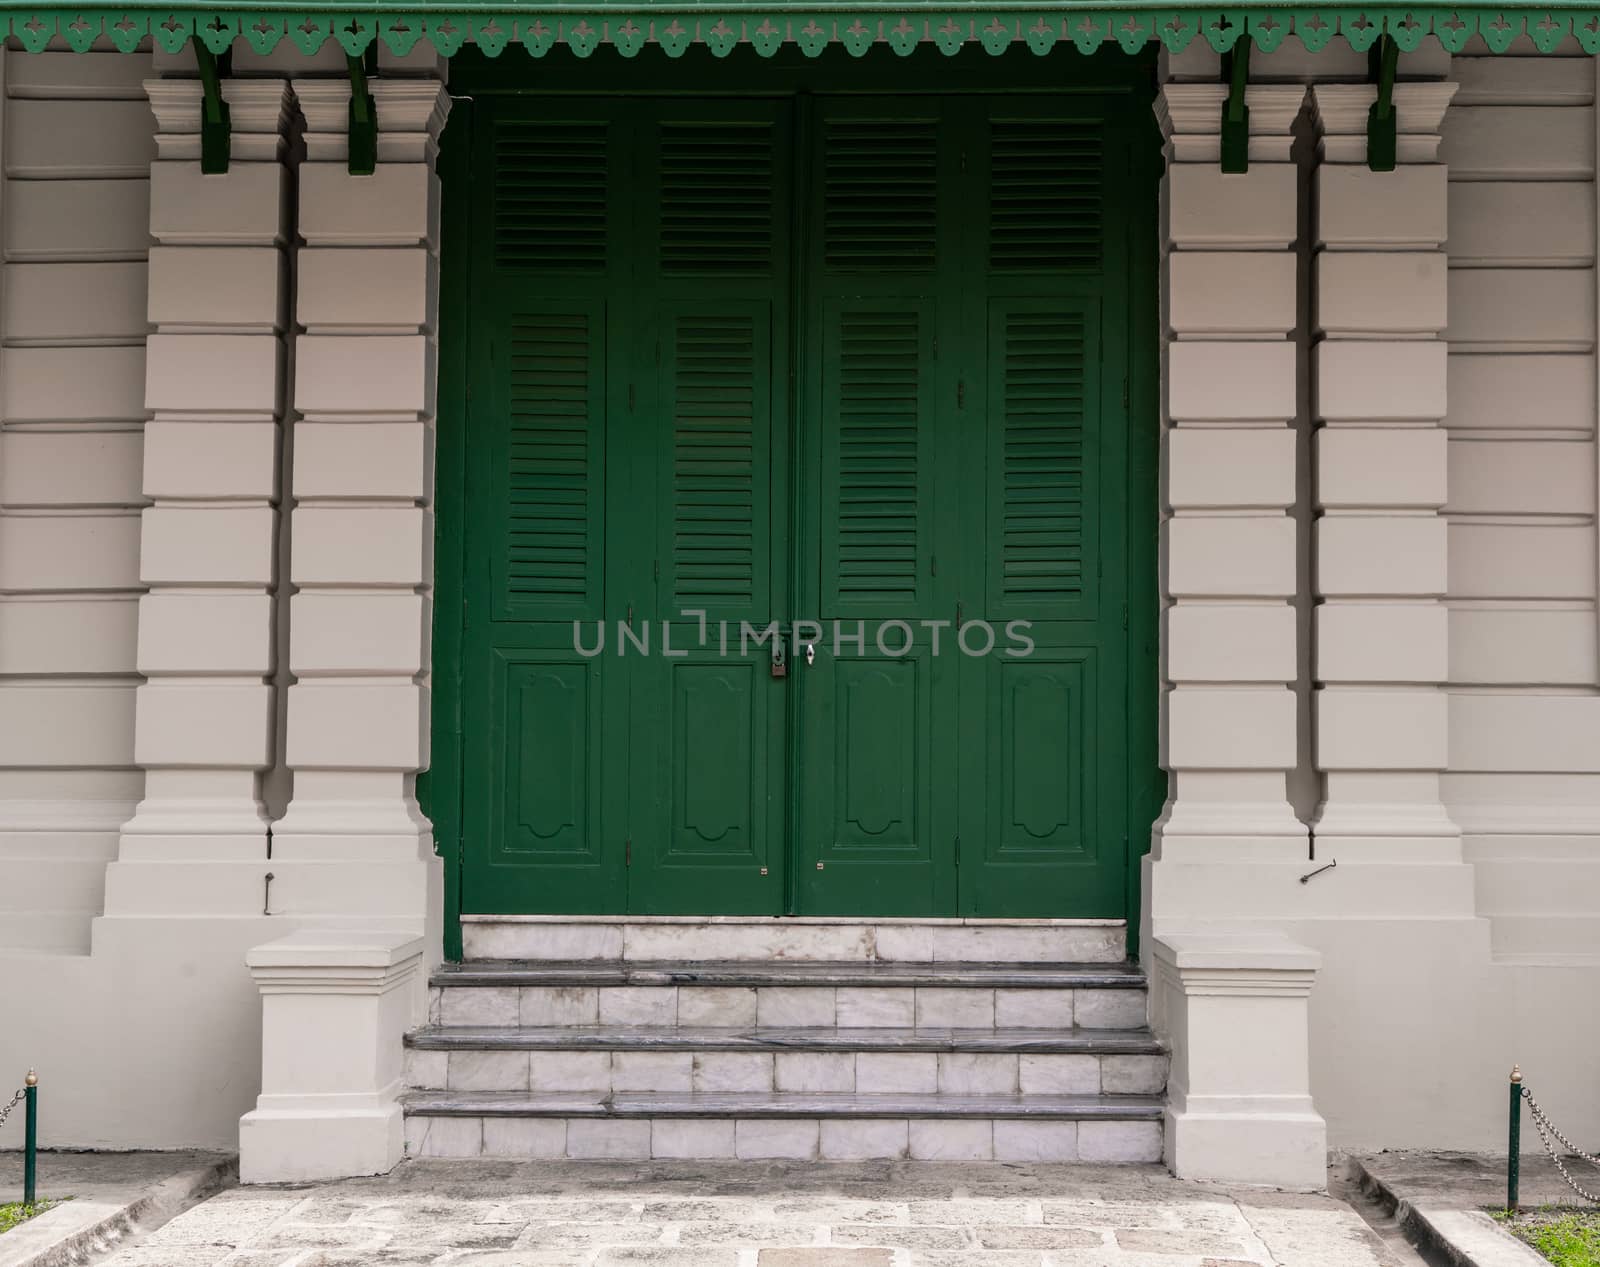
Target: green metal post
{"points": [[30, 1140], [1514, 1160]]}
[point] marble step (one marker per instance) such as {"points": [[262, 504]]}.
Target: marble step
{"points": [[765, 938], [603, 1070], [1068, 975], [788, 1038], [639, 1126], [978, 996]]}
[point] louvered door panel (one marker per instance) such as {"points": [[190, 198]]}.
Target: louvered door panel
{"points": [[1043, 496], [877, 457], [716, 394], [1046, 187], [709, 311], [551, 194], [551, 486], [880, 193], [717, 186]]}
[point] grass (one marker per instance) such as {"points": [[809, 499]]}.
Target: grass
{"points": [[1567, 1237], [14, 1212]]}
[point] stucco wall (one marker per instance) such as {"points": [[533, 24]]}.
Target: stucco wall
{"points": [[1524, 763], [78, 137], [1524, 781]]}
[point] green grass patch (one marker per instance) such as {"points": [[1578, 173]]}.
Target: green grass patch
{"points": [[1567, 1237], [14, 1212]]}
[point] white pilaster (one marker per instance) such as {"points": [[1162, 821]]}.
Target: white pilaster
{"points": [[1228, 467], [362, 529], [213, 388], [1380, 285]]}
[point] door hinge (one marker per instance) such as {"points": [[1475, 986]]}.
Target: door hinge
{"points": [[1126, 396], [958, 851], [655, 568], [1124, 618], [627, 852], [961, 394]]}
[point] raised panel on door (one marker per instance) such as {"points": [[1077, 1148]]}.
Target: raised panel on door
{"points": [[871, 783], [549, 790]]}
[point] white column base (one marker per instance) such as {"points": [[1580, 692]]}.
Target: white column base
{"points": [[198, 813], [336, 1004], [1234, 1009], [301, 1145], [1281, 1141]]}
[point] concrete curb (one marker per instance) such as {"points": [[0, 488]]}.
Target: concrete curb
{"points": [[1461, 1238], [77, 1230]]}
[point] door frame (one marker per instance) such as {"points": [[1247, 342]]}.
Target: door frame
{"points": [[440, 788]]}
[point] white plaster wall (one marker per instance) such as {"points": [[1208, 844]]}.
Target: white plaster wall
{"points": [[1416, 1014], [77, 141], [1524, 772]]}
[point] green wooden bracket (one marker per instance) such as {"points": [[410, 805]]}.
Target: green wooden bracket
{"points": [[216, 125], [1235, 114], [363, 115], [1382, 123]]}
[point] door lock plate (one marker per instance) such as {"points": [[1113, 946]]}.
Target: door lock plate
{"points": [[780, 659]]}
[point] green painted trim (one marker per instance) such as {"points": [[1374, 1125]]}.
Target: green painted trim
{"points": [[439, 789], [1147, 781], [722, 25], [1138, 137]]}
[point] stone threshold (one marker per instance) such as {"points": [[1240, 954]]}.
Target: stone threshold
{"points": [[517, 972], [785, 1038], [804, 920]]}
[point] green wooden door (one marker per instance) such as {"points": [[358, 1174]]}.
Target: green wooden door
{"points": [[965, 462], [854, 365], [626, 476], [710, 309]]}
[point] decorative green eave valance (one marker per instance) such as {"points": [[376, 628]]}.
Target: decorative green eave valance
{"points": [[768, 25]]}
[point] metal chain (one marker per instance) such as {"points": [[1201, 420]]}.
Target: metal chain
{"points": [[6, 1112], [1547, 1129]]}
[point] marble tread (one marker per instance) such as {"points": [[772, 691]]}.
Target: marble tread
{"points": [[511, 972], [803, 1038], [783, 939], [651, 1104]]}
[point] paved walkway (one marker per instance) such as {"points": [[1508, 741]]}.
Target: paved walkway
{"points": [[111, 1196], [893, 1214]]}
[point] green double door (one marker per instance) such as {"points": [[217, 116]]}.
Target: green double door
{"points": [[795, 518]]}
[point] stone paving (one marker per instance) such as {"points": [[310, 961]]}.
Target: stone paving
{"points": [[885, 1214]]}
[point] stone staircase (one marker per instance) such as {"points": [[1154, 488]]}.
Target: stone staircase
{"points": [[939, 1040]]}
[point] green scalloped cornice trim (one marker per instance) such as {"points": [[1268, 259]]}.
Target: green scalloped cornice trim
{"points": [[629, 25]]}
